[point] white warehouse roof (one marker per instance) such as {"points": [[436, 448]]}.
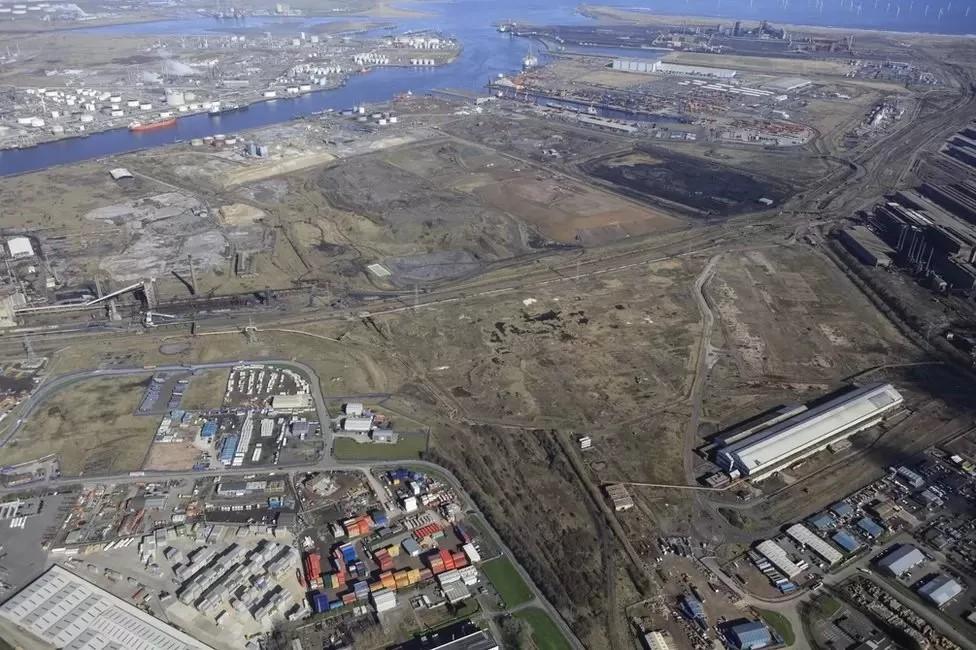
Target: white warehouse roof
{"points": [[772, 448], [902, 560], [67, 611], [20, 247], [775, 554], [807, 538], [358, 424], [940, 589], [300, 402]]}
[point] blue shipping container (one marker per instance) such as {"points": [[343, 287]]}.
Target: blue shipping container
{"points": [[320, 603], [336, 604]]}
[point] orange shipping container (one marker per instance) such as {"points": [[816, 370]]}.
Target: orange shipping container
{"points": [[348, 599], [426, 574]]}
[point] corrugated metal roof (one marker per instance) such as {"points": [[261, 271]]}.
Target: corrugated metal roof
{"points": [[846, 540], [65, 610], [940, 589], [752, 634], [775, 554], [805, 536], [768, 448], [902, 559], [870, 526]]}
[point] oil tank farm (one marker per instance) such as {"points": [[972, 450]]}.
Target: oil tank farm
{"points": [[834, 418]]}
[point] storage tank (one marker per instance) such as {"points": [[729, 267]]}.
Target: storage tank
{"points": [[175, 97]]}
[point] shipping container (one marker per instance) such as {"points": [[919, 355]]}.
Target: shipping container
{"points": [[320, 603]]}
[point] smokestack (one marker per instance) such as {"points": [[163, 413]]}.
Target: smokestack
{"points": [[193, 275]]}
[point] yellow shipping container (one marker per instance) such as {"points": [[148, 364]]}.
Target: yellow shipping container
{"points": [[414, 575], [376, 586], [393, 550], [402, 583]]}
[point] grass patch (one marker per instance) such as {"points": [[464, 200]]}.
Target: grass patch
{"points": [[409, 446], [206, 390], [90, 426], [827, 606], [465, 611], [779, 623], [545, 634], [507, 581]]}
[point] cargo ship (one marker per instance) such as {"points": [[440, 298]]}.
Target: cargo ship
{"points": [[217, 109], [149, 126]]}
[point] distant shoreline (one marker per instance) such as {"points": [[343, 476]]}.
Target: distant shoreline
{"points": [[609, 14]]}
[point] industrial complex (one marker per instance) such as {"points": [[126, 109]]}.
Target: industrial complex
{"points": [[780, 442], [467, 326]]}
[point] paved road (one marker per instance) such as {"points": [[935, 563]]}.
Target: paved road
{"points": [[326, 463]]}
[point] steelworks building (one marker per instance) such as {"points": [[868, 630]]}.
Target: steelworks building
{"points": [[768, 449]]}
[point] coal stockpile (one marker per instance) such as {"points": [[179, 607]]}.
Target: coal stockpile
{"points": [[692, 185]]}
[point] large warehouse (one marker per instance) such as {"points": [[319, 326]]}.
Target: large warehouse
{"points": [[66, 611], [775, 447]]}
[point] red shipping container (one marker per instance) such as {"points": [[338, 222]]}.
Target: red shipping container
{"points": [[426, 574], [348, 599]]}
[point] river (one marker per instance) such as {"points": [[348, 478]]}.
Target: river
{"points": [[486, 54]]}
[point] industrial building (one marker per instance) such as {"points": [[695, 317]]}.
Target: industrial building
{"points": [[693, 70], [750, 635], [940, 590], [866, 246], [619, 497], [464, 638], [846, 540], [779, 559], [660, 67], [19, 247], [290, 403], [65, 611], [901, 560], [929, 238], [773, 448], [806, 538], [657, 640]]}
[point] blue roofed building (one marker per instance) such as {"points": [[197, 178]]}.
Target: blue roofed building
{"points": [[842, 509], [750, 635], [822, 522], [870, 527], [844, 539], [209, 429], [693, 607], [228, 448]]}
